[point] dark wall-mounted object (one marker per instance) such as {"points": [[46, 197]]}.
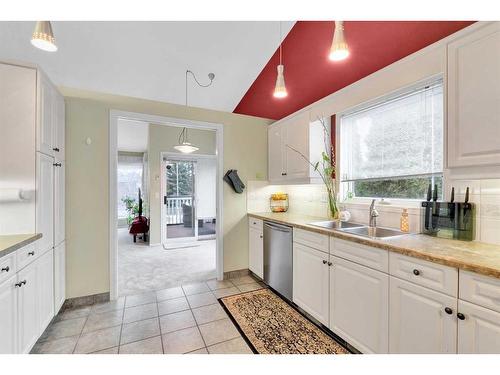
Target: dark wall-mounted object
{"points": [[232, 178]]}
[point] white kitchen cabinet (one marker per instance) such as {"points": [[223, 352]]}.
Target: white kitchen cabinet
{"points": [[473, 95], [46, 116], [45, 289], [310, 281], [291, 140], [27, 308], [59, 131], [479, 331], [359, 304], [256, 251], [59, 201], [8, 316], [59, 276], [421, 321], [44, 201]]}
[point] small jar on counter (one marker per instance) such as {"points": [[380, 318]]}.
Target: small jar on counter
{"points": [[279, 202]]}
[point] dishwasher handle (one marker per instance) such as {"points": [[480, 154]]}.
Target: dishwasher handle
{"points": [[281, 228]]}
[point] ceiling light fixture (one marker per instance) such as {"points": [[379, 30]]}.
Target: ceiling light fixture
{"points": [[184, 145], [43, 37], [339, 49], [280, 88]]}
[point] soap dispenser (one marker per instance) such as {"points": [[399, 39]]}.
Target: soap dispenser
{"points": [[404, 224]]}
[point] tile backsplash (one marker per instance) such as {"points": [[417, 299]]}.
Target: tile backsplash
{"points": [[312, 200]]}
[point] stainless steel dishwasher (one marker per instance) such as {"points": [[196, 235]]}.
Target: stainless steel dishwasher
{"points": [[278, 258]]}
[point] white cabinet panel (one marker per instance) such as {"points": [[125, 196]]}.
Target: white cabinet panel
{"points": [[59, 131], [46, 116], [479, 332], [59, 276], [8, 316], [310, 281], [479, 289], [418, 321], [276, 167], [28, 317], [312, 239], [473, 98], [45, 289], [296, 143], [8, 266], [44, 201], [256, 251], [359, 299], [256, 223], [59, 202], [368, 256]]}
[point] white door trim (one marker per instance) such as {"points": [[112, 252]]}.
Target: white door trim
{"points": [[114, 115]]}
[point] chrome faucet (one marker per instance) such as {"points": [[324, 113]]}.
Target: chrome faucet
{"points": [[373, 215]]}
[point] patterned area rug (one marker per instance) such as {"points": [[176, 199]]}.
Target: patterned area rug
{"points": [[272, 326]]}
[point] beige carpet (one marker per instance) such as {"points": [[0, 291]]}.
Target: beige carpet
{"points": [[143, 268], [272, 326]]}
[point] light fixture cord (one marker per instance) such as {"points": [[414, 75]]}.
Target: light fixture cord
{"points": [[281, 42], [196, 80]]}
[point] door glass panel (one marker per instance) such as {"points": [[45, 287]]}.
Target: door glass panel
{"points": [[180, 199]]}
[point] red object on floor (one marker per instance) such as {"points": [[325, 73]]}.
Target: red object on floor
{"points": [[139, 226]]}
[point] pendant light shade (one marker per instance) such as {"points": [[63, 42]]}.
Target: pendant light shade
{"points": [[184, 146], [280, 88], [43, 37], [339, 49]]}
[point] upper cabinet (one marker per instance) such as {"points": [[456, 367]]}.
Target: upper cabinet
{"points": [[291, 142], [473, 99]]}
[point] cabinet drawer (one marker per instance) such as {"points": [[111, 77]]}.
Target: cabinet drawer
{"points": [[26, 255], [312, 239], [7, 266], [431, 275], [361, 254], [479, 289], [255, 223]]}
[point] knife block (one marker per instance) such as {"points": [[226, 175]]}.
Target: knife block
{"points": [[448, 220]]}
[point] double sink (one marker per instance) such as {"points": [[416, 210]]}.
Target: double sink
{"points": [[359, 229]]}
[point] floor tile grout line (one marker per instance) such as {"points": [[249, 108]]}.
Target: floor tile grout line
{"points": [[159, 325], [121, 327], [81, 332]]}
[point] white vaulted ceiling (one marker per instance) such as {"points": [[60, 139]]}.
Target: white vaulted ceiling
{"points": [[149, 59]]}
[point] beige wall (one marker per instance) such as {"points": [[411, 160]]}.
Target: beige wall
{"points": [[87, 216], [163, 138]]}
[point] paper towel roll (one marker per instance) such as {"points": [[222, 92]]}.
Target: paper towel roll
{"points": [[13, 195]]}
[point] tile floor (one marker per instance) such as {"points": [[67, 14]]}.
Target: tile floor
{"points": [[185, 319]]}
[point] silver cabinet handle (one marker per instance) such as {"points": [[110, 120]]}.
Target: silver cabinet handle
{"points": [[20, 284], [6, 269], [324, 261], [32, 253], [330, 264]]}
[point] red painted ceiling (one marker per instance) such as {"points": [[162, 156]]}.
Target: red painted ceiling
{"points": [[310, 76]]}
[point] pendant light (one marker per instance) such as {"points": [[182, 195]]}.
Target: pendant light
{"points": [[339, 49], [43, 37], [184, 145], [280, 88]]}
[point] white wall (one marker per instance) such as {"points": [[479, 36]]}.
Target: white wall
{"points": [[206, 175]]}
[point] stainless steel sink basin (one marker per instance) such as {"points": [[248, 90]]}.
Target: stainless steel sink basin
{"points": [[335, 224], [375, 232]]}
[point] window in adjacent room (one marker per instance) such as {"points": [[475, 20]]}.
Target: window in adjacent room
{"points": [[394, 148]]}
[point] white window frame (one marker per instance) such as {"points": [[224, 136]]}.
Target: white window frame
{"points": [[394, 202]]}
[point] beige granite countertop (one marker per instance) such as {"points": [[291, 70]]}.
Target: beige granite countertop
{"points": [[12, 242], [467, 255]]}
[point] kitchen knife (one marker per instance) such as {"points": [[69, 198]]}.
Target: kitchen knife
{"points": [[435, 208]]}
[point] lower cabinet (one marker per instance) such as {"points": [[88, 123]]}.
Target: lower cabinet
{"points": [[8, 316], [310, 281], [59, 276], [256, 251], [478, 330], [27, 308], [421, 321], [359, 304], [45, 288]]}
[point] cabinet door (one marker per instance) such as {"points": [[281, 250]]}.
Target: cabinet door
{"points": [[256, 252], [473, 97], [275, 151], [359, 305], [59, 276], [46, 117], [59, 124], [418, 322], [59, 202], [8, 316], [295, 144], [45, 289], [310, 281], [44, 201], [28, 317], [479, 332]]}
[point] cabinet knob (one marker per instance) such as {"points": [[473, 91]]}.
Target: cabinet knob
{"points": [[57, 164], [20, 284], [416, 272], [56, 149], [330, 264], [32, 253], [283, 173], [261, 236], [324, 261], [460, 316], [6, 269], [448, 310]]}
